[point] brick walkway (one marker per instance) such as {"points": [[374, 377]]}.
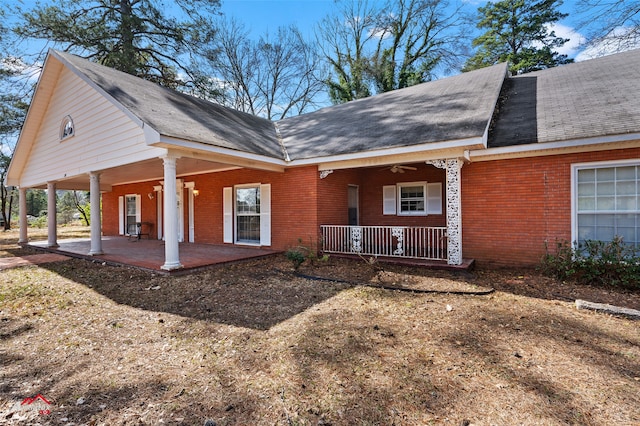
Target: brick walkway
{"points": [[34, 259], [149, 254]]}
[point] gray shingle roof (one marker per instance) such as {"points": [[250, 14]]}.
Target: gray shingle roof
{"points": [[178, 115], [593, 98], [598, 97], [453, 108]]}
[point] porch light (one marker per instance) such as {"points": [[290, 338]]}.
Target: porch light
{"points": [[196, 192], [151, 195]]}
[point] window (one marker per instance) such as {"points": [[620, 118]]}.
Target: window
{"points": [[129, 214], [67, 128], [412, 199], [248, 214], [607, 202]]}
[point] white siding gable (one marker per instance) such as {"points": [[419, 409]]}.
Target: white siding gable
{"points": [[104, 135]]}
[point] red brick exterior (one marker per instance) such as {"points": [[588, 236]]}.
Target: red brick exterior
{"points": [[509, 207], [293, 204]]}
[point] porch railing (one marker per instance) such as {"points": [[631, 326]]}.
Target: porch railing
{"points": [[414, 242]]}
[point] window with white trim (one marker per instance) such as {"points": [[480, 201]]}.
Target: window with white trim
{"points": [[412, 199], [247, 214], [607, 202], [67, 129]]}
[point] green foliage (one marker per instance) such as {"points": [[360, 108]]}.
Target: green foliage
{"points": [[517, 32], [298, 255], [374, 47], [612, 263], [133, 36]]}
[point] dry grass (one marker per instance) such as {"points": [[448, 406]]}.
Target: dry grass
{"points": [[254, 344]]}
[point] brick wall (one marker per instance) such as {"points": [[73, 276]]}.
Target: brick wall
{"points": [[294, 208], [511, 207]]}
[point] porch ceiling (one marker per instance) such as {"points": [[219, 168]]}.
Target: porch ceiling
{"points": [[141, 171]]}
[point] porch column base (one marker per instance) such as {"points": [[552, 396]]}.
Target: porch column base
{"points": [[171, 266]]}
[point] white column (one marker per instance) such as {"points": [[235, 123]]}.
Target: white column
{"points": [[190, 187], [96, 218], [158, 191], [454, 207], [52, 221], [24, 238], [171, 246]]}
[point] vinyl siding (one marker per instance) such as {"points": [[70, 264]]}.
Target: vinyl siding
{"points": [[104, 135]]}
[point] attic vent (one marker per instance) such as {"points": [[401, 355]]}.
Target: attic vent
{"points": [[67, 129]]}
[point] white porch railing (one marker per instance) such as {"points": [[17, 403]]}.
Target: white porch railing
{"points": [[414, 242]]}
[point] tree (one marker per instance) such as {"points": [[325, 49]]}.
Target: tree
{"points": [[272, 77], [134, 36], [72, 203], [344, 38], [517, 31], [610, 26], [377, 49], [414, 37], [13, 110]]}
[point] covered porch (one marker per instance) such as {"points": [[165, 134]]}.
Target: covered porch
{"points": [[150, 254], [408, 211]]}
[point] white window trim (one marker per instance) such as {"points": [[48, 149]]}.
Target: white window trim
{"points": [[230, 215], [391, 200], [67, 121], [122, 205], [399, 187], [574, 180]]}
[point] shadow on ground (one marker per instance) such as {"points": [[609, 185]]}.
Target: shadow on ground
{"points": [[244, 294]]}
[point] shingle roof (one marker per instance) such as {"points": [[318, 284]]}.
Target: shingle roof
{"points": [[178, 115], [598, 97], [453, 108], [582, 100]]}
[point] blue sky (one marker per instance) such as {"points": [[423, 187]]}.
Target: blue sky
{"points": [[268, 15]]}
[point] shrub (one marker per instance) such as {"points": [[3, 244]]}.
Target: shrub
{"points": [[299, 254], [595, 262], [296, 257]]}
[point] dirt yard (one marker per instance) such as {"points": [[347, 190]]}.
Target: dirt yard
{"points": [[256, 344]]}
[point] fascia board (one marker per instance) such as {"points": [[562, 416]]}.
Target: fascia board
{"points": [[28, 133], [423, 150], [220, 154], [601, 143]]}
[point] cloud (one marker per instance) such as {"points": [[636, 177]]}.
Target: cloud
{"points": [[619, 40]]}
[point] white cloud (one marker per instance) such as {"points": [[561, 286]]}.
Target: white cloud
{"points": [[571, 47], [620, 40]]}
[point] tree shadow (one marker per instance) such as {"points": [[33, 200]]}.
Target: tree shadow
{"points": [[243, 294]]}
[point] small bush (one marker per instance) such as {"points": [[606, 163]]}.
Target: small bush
{"points": [[298, 255], [594, 262]]}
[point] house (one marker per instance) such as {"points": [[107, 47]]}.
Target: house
{"points": [[481, 165]]}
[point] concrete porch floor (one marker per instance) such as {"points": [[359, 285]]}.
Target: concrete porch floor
{"points": [[149, 254]]}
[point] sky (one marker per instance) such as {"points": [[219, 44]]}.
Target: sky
{"points": [[267, 15]]}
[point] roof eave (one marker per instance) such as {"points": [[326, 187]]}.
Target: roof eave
{"points": [[412, 153], [538, 149]]}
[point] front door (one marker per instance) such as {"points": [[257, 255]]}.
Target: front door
{"points": [[353, 205]]}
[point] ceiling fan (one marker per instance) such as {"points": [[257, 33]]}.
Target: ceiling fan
{"points": [[397, 168]]}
